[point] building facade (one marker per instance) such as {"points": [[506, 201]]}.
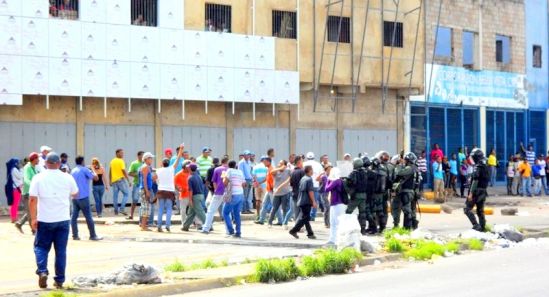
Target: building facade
{"points": [[90, 76], [482, 86]]}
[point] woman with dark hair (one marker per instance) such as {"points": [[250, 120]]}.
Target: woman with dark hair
{"points": [[234, 181], [14, 182], [99, 186]]}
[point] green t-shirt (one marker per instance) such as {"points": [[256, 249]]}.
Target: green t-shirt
{"points": [[134, 169], [204, 163], [28, 173]]}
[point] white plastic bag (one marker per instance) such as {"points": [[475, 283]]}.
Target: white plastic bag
{"points": [[348, 232]]}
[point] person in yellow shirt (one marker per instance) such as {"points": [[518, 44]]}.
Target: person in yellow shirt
{"points": [[525, 173], [119, 180], [492, 165]]}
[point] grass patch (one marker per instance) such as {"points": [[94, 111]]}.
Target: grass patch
{"points": [[176, 266], [424, 250], [312, 266], [58, 293], [394, 245], [277, 270], [206, 264], [452, 247], [475, 244], [391, 233], [224, 263]]}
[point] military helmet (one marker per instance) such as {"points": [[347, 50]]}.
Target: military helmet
{"points": [[395, 159], [366, 161], [357, 163], [410, 157], [477, 155]]}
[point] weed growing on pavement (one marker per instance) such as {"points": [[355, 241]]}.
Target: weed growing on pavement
{"points": [[424, 250], [453, 247], [176, 266], [58, 293], [276, 270], [224, 263], [475, 244], [206, 264], [392, 232], [312, 266], [394, 245]]}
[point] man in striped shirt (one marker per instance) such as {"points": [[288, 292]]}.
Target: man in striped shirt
{"points": [[204, 162], [529, 153], [422, 167]]}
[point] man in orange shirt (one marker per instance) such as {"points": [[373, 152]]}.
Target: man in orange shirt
{"points": [[268, 201], [525, 173], [181, 181]]}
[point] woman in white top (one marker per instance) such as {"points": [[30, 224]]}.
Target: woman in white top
{"points": [[233, 206], [166, 190], [14, 185]]}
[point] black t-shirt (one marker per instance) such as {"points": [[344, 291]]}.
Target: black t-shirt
{"points": [[305, 186], [295, 178]]}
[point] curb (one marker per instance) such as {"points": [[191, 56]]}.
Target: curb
{"points": [[208, 284]]}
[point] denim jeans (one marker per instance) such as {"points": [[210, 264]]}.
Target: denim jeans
{"points": [[232, 210], [544, 184], [217, 200], [248, 197], [84, 206], [47, 234], [267, 206], [278, 201], [296, 211], [493, 173], [151, 214], [290, 211], [537, 187], [318, 203], [526, 185], [135, 195], [165, 205], [98, 192], [120, 186]]}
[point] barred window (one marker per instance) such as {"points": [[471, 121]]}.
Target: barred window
{"points": [[218, 18], [344, 33], [144, 13], [388, 29], [284, 24], [536, 58], [64, 9]]}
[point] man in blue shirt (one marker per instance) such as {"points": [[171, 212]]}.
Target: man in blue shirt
{"points": [[82, 176], [196, 191], [244, 166]]}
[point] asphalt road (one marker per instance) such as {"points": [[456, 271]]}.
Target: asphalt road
{"points": [[520, 271]]}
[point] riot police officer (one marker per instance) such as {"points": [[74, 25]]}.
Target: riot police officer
{"points": [[378, 182], [477, 194], [356, 186], [404, 187]]}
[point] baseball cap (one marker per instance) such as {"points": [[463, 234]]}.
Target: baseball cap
{"points": [[185, 163], [347, 155], [147, 155], [310, 155], [193, 166], [53, 158], [168, 150], [247, 153], [33, 156], [206, 149], [266, 158], [45, 148]]}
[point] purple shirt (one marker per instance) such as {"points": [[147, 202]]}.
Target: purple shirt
{"points": [[335, 187], [218, 180], [82, 176], [323, 180]]}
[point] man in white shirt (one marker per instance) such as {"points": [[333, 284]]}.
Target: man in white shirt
{"points": [[543, 174], [166, 189], [317, 171], [44, 151], [49, 203]]}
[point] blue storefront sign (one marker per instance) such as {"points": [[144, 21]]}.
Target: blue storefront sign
{"points": [[457, 85]]}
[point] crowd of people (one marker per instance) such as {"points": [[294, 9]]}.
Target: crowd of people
{"points": [[525, 172], [197, 188]]}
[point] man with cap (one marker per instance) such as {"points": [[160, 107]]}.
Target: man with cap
{"points": [[145, 190], [44, 150], [65, 163], [244, 166], [204, 162], [50, 216], [29, 171], [317, 170], [196, 192], [347, 157], [82, 176]]}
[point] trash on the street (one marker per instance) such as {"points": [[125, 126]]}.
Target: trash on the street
{"points": [[348, 233], [129, 274]]}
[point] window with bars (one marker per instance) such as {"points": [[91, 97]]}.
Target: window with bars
{"points": [[64, 9], [284, 24], [335, 35], [218, 18], [388, 29], [536, 56], [144, 13]]}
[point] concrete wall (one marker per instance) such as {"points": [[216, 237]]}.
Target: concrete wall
{"points": [[502, 17], [536, 34]]}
